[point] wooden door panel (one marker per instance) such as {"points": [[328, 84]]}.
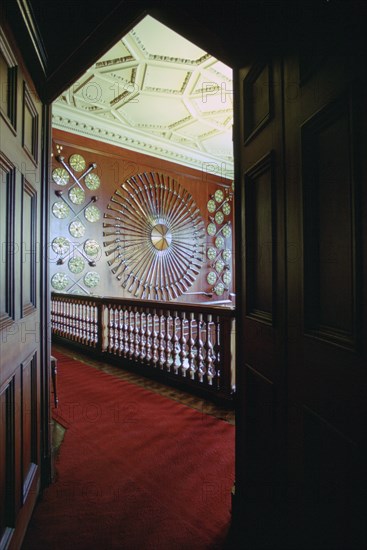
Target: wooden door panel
{"points": [[301, 363], [260, 242], [7, 212], [7, 466], [260, 361], [326, 361], [30, 237], [30, 422], [329, 225], [21, 342]]}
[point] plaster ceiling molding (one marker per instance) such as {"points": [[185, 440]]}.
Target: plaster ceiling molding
{"points": [[156, 93]]}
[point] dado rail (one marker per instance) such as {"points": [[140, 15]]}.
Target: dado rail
{"points": [[193, 344]]}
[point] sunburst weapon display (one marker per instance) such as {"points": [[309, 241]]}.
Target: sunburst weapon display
{"points": [[158, 249]]}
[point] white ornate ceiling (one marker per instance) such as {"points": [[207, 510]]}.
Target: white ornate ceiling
{"points": [[156, 93]]}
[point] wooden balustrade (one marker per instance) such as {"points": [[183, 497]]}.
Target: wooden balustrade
{"points": [[191, 343]]}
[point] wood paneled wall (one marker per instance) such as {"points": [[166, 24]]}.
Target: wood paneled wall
{"points": [[114, 166]]}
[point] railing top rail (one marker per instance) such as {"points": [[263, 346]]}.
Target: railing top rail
{"points": [[223, 311]]}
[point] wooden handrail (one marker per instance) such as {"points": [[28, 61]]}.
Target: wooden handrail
{"points": [[191, 342], [225, 310]]}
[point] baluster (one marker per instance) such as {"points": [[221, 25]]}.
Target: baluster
{"points": [[61, 316], [92, 324], [95, 322], [143, 320], [77, 321], [217, 350], [126, 332], [148, 336], [112, 332], [168, 340], [69, 327], [93, 328], [116, 331], [89, 323], [67, 320], [76, 318], [200, 366], [131, 332], [72, 320], [137, 322], [183, 350], [78, 324], [120, 342], [155, 338], [109, 328], [176, 346], [210, 372], [58, 316], [162, 357], [66, 323], [85, 324], [82, 323], [191, 343], [57, 312], [71, 309], [121, 330]]}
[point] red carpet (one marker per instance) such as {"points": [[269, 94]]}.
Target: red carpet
{"points": [[136, 470]]}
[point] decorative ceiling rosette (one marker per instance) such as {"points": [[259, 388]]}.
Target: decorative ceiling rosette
{"points": [[156, 237]]}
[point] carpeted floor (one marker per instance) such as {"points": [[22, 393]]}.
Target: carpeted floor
{"points": [[203, 405], [136, 470]]}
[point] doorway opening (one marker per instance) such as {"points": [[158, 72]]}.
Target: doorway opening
{"points": [[142, 144]]}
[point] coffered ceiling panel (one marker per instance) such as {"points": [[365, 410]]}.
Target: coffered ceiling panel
{"points": [[155, 92]]}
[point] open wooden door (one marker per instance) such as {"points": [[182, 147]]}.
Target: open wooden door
{"points": [[262, 300], [302, 337], [325, 129], [24, 447]]}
